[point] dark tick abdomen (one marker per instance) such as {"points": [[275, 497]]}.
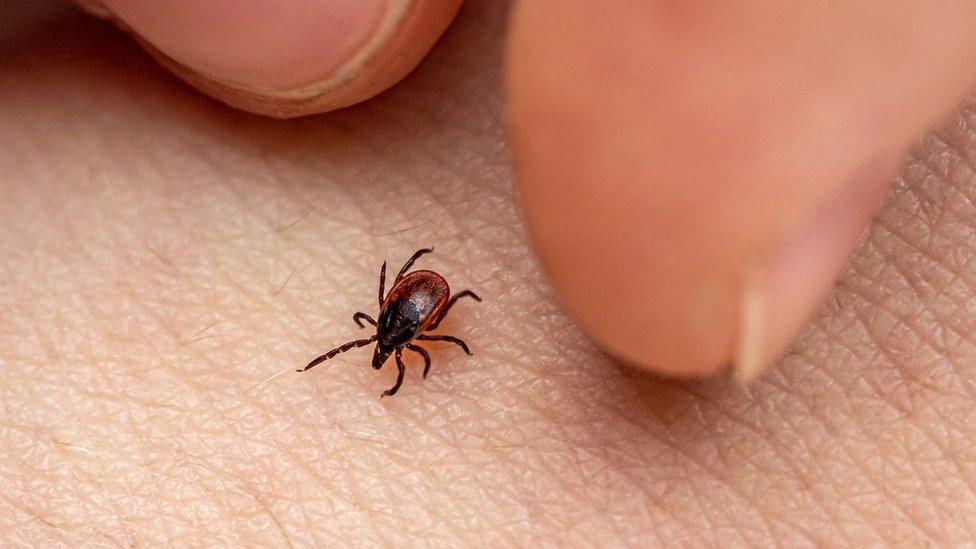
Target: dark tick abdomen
{"points": [[414, 302], [399, 322]]}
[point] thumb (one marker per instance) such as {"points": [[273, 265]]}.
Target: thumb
{"points": [[695, 177], [285, 58]]}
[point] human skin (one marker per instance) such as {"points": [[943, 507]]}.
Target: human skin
{"points": [[163, 257]]}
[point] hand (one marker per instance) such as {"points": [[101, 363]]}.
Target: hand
{"points": [[163, 258]]}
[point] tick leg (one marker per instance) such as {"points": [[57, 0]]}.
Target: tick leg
{"points": [[382, 283], [414, 257], [452, 339], [455, 297], [400, 369], [422, 352], [358, 318], [340, 349]]}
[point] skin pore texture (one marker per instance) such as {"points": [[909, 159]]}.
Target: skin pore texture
{"points": [[164, 257]]}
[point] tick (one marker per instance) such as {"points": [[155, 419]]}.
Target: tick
{"points": [[416, 304]]}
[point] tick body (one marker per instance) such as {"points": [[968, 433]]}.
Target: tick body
{"points": [[416, 304]]}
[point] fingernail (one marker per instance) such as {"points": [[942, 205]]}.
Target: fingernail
{"points": [[749, 361], [781, 289]]}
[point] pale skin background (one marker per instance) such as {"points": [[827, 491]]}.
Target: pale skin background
{"points": [[162, 256]]}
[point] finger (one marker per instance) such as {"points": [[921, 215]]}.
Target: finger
{"points": [[285, 58], [694, 178]]}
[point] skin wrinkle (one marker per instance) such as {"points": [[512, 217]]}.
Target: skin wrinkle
{"points": [[767, 520], [114, 506], [944, 178], [820, 500], [851, 454], [962, 194], [704, 507], [908, 280], [633, 480], [331, 488], [879, 393], [866, 321], [33, 516], [887, 355], [778, 450], [906, 321], [258, 498], [879, 485], [925, 432], [860, 512]]}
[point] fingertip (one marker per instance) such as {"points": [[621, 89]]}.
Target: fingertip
{"points": [[690, 182], [286, 59]]}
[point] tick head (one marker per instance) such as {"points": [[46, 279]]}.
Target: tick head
{"points": [[380, 354]]}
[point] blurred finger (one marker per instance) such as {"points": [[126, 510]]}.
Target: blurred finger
{"points": [[695, 176], [286, 58]]}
